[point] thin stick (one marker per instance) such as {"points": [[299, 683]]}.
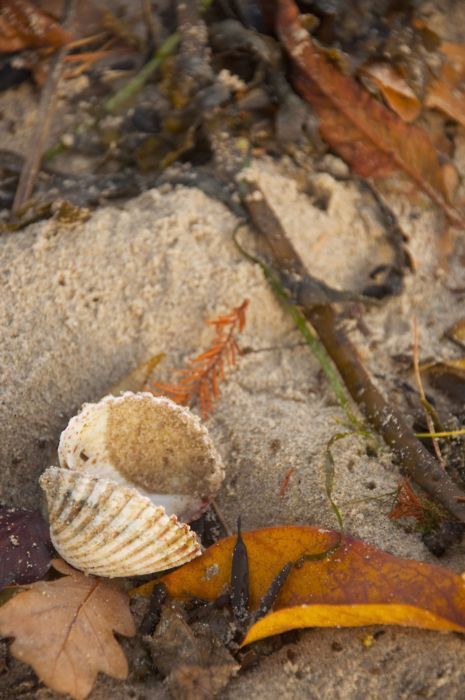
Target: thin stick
{"points": [[44, 120], [421, 391]]}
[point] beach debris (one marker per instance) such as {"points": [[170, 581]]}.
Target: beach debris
{"points": [[324, 579], [333, 342], [24, 25], [200, 380], [194, 661], [366, 134], [65, 630], [130, 467]]}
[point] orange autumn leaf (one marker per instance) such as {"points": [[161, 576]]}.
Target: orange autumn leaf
{"points": [[65, 629], [372, 139], [354, 585]]}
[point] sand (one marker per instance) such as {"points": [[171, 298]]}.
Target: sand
{"points": [[81, 305]]}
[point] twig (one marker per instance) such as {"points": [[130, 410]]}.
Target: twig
{"points": [[44, 119], [421, 391], [413, 456]]}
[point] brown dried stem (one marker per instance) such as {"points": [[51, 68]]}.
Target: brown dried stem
{"points": [[386, 420], [44, 120]]}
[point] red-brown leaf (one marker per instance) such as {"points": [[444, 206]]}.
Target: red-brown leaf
{"points": [[356, 584], [372, 139]]}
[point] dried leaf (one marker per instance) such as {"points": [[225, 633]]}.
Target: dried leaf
{"points": [[135, 380], [354, 585], [395, 90], [64, 630], [25, 546], [24, 25], [447, 92], [373, 140]]}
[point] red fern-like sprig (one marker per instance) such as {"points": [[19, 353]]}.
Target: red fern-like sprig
{"points": [[409, 505], [200, 380]]}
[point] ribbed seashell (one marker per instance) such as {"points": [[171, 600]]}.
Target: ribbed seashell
{"points": [[106, 529], [148, 442], [130, 467]]}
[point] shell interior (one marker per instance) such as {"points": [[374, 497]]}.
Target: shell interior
{"points": [[147, 442]]}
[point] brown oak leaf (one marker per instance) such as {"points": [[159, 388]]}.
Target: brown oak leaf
{"points": [[65, 629]]}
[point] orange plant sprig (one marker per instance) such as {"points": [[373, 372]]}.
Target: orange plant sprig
{"points": [[200, 380], [409, 505]]}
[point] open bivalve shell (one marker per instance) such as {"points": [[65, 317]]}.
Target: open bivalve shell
{"points": [[148, 442], [130, 467], [107, 529]]}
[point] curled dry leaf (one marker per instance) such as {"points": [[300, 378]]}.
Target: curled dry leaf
{"points": [[25, 546], [372, 139], [65, 629], [354, 585]]}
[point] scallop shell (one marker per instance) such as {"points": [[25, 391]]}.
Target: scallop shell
{"points": [[108, 529], [149, 443]]}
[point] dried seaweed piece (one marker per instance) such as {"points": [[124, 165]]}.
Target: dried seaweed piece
{"points": [[196, 664], [240, 581], [44, 119], [201, 380]]}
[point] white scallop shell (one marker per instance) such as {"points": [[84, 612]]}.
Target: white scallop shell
{"points": [[106, 529], [147, 442]]}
